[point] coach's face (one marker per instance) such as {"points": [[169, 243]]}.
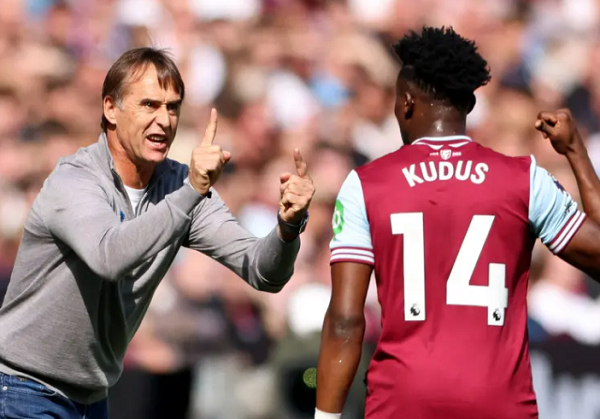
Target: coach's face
{"points": [[147, 118]]}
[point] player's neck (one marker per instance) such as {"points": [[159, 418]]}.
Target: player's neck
{"points": [[440, 128]]}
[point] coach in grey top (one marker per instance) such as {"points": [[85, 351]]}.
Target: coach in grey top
{"points": [[91, 256]]}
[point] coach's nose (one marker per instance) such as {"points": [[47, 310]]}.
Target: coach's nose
{"points": [[162, 118]]}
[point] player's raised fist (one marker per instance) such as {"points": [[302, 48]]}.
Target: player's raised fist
{"points": [[559, 126], [208, 159], [297, 191]]}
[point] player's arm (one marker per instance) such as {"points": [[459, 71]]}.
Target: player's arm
{"points": [[564, 136], [352, 263], [583, 251], [581, 238], [342, 337]]}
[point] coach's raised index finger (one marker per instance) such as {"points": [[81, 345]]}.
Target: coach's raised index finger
{"points": [[211, 129], [301, 167]]}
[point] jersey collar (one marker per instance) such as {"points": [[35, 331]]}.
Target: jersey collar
{"points": [[443, 139]]}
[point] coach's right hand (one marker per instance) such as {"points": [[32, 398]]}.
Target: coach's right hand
{"points": [[208, 159], [560, 128]]}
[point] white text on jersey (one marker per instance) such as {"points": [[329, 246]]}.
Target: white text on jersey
{"points": [[445, 170]]}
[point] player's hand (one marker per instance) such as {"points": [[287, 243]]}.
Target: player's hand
{"points": [[559, 126], [296, 192], [208, 159]]}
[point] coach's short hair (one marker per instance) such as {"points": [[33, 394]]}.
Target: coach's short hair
{"points": [[134, 62], [443, 64]]}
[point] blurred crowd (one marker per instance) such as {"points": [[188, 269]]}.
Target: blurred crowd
{"points": [[313, 74]]}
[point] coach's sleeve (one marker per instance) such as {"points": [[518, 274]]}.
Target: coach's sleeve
{"points": [[553, 214], [77, 211], [351, 232], [266, 264]]}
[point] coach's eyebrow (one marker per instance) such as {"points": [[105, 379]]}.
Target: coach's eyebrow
{"points": [[177, 102], [157, 102], [151, 101]]}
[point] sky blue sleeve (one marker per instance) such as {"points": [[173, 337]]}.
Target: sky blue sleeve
{"points": [[553, 214], [351, 231]]}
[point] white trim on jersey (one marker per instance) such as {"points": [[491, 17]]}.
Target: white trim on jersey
{"points": [[553, 214], [434, 146], [352, 254], [446, 138], [437, 143], [567, 233], [456, 145], [440, 146], [352, 234]]}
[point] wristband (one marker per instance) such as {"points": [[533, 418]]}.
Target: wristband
{"points": [[319, 414], [296, 229]]}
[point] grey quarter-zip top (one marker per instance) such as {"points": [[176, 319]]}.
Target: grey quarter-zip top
{"points": [[89, 263]]}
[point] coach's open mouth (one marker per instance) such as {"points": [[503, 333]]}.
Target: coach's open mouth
{"points": [[157, 138]]}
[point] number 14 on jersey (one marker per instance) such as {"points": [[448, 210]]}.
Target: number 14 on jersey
{"points": [[459, 291]]}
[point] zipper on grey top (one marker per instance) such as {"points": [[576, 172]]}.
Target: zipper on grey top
{"points": [[146, 194], [121, 189]]}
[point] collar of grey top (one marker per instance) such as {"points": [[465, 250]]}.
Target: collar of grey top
{"points": [[102, 157]]}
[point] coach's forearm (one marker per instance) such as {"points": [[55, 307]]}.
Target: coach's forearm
{"points": [[339, 356], [275, 260], [266, 263], [81, 217], [125, 246], [587, 180]]}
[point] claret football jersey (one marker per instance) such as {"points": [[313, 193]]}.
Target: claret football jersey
{"points": [[449, 227]]}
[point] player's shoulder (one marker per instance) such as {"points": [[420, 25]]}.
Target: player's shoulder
{"points": [[381, 165], [407, 154], [520, 162], [508, 173]]}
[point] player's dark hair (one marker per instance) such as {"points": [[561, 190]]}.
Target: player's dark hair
{"points": [[133, 63], [444, 64]]}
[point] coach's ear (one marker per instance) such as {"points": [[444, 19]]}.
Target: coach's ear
{"points": [[110, 110]]}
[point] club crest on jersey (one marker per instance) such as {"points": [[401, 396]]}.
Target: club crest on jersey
{"points": [[445, 154], [338, 218]]}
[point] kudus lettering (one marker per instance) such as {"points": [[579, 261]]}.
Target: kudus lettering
{"points": [[444, 170]]}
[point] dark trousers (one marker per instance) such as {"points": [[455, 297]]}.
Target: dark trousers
{"points": [[141, 395]]}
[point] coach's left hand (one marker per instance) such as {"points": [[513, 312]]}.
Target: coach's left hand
{"points": [[296, 192]]}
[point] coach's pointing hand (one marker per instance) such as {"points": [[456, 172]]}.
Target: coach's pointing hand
{"points": [[560, 128], [208, 159], [296, 192]]}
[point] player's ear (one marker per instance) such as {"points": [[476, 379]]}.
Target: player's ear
{"points": [[409, 105]]}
